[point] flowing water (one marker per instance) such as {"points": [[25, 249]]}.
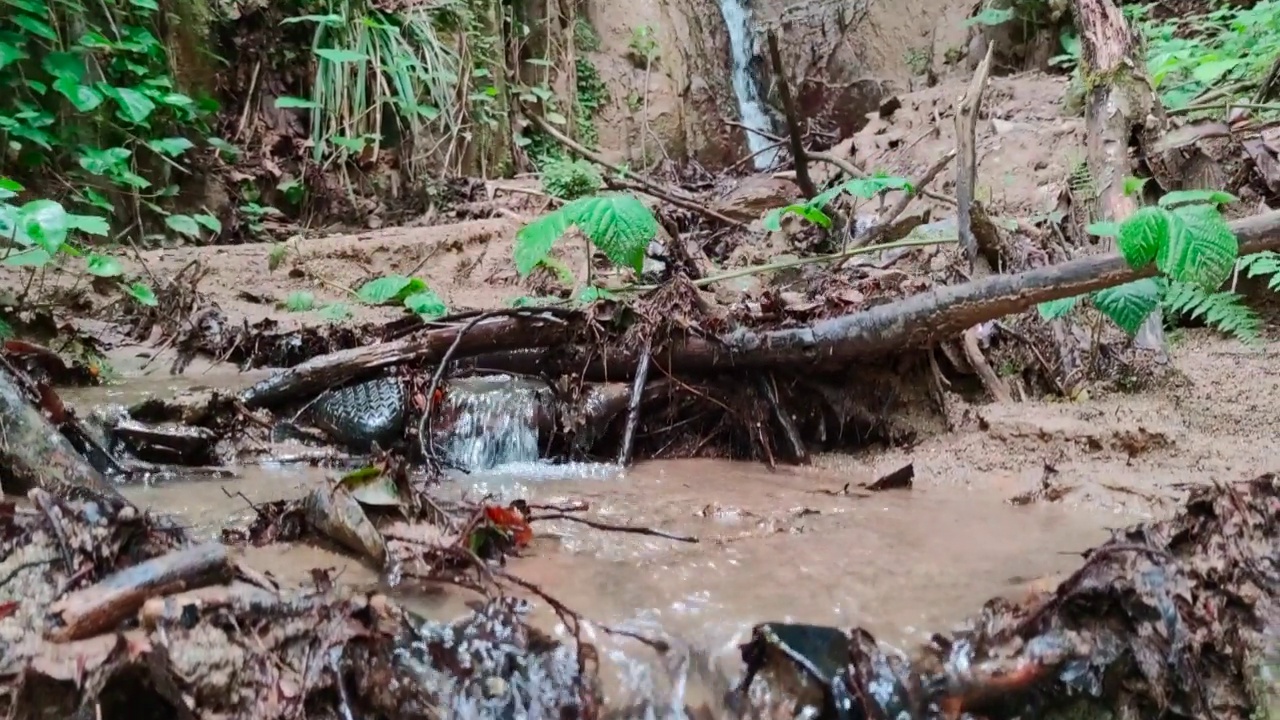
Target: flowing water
{"points": [[751, 108], [495, 422], [784, 545]]}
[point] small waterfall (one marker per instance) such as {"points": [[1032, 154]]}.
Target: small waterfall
{"points": [[737, 20], [495, 422]]}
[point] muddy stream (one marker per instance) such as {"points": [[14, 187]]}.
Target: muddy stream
{"points": [[784, 545]]}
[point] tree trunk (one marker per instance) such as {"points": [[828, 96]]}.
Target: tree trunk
{"points": [[34, 454], [1119, 105]]}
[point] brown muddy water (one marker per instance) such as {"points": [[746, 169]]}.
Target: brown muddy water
{"points": [[786, 545]]}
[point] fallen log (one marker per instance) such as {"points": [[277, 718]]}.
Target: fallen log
{"points": [[34, 454], [99, 608], [914, 322]]}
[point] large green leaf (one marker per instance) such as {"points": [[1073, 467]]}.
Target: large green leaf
{"points": [[620, 225], [1202, 250], [1053, 309], [534, 241], [82, 97], [44, 223], [393, 288], [426, 304], [104, 266], [134, 106], [1142, 235], [1129, 305]]}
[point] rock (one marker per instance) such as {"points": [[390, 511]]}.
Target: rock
{"points": [[756, 195]]}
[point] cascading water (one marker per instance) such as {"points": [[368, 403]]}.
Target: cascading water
{"points": [[737, 20], [495, 422]]}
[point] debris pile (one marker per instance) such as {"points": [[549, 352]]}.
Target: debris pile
{"points": [[114, 615]]}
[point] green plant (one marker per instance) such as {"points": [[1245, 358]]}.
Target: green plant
{"points": [[570, 179], [92, 104], [38, 234], [1194, 251], [619, 225], [373, 66], [814, 209], [585, 37]]}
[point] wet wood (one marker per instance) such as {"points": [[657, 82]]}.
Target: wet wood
{"points": [[101, 607], [238, 597], [34, 454], [968, 108], [918, 321], [513, 330]]}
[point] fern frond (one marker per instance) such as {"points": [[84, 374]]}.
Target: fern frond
{"points": [[1263, 263], [1223, 311]]}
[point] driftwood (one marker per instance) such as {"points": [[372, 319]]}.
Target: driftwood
{"points": [[915, 322], [34, 454], [101, 607]]}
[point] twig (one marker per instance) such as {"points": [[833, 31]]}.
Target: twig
{"points": [[967, 109], [793, 120], [797, 262], [633, 407], [616, 528], [640, 183]]}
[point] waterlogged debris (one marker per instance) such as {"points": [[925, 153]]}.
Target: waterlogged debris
{"points": [[502, 528], [370, 486], [900, 479], [1193, 597], [336, 514], [243, 648]]}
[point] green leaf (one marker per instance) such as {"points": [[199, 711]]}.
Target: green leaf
{"points": [[1209, 72], [318, 19], [10, 54], [300, 301], [105, 160], [1130, 304], [809, 211], [44, 223], [1053, 309], [104, 266], [221, 145], [210, 222], [172, 147], [335, 312], [1143, 235], [426, 304], [592, 294], [31, 257], [276, 256], [9, 188], [619, 225], [64, 65], [34, 26], [184, 224], [390, 289], [91, 224], [991, 17], [1133, 186], [340, 56], [1201, 250], [556, 118], [534, 241], [142, 293], [82, 97], [1184, 197], [134, 106], [296, 103]]}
